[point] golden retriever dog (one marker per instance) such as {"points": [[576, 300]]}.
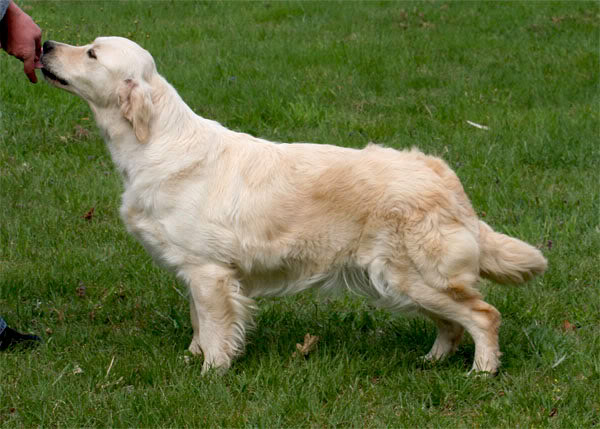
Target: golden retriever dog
{"points": [[236, 217]]}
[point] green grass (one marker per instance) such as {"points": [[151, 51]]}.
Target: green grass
{"points": [[396, 73]]}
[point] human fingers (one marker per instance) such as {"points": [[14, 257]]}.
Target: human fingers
{"points": [[38, 46], [29, 68]]}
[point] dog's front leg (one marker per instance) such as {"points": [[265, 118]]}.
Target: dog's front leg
{"points": [[219, 313], [195, 344]]}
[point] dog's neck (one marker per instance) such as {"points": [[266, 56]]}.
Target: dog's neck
{"points": [[119, 137], [128, 153]]}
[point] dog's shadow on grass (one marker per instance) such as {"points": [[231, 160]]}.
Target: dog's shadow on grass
{"points": [[356, 331]]}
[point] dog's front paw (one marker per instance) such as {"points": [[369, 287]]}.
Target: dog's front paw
{"points": [[195, 349], [430, 357], [216, 365], [481, 374], [209, 368]]}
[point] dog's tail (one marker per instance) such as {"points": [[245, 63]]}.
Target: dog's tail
{"points": [[507, 260]]}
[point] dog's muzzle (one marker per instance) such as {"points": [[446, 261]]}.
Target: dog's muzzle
{"points": [[46, 59]]}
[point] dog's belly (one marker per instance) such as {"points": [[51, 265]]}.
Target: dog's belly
{"points": [[340, 279]]}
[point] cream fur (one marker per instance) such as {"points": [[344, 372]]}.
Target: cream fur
{"points": [[238, 217]]}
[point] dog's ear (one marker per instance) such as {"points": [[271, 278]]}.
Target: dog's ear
{"points": [[135, 101]]}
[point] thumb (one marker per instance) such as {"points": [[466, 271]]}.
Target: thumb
{"points": [[38, 46], [29, 68]]}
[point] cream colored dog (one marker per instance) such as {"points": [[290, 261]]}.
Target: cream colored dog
{"points": [[238, 217]]}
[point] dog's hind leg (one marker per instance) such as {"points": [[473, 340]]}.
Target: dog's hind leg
{"points": [[449, 336], [445, 257], [450, 313], [451, 309], [390, 283], [219, 313]]}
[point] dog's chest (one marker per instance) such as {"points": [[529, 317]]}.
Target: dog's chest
{"points": [[147, 230], [175, 224], [143, 211]]}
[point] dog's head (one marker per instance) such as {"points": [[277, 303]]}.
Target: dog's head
{"points": [[111, 72]]}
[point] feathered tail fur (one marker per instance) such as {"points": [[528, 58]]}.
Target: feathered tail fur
{"points": [[507, 260]]}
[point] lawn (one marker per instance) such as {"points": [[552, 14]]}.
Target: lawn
{"points": [[401, 74]]}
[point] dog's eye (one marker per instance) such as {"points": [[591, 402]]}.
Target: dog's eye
{"points": [[91, 54]]}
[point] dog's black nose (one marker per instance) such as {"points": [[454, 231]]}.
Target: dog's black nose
{"points": [[48, 46]]}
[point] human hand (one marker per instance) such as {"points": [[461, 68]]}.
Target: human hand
{"points": [[21, 37]]}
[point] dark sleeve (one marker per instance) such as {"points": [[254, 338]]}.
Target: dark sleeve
{"points": [[2, 325], [3, 7]]}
